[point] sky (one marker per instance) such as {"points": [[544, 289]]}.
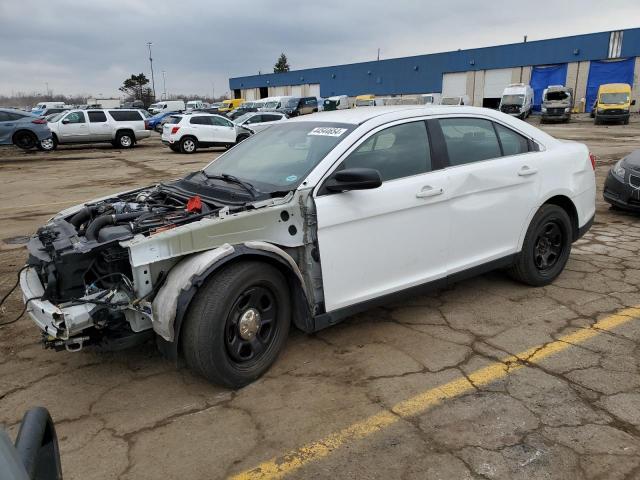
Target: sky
{"points": [[89, 47]]}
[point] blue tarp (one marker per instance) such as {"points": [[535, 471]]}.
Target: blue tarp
{"points": [[542, 77], [600, 72]]}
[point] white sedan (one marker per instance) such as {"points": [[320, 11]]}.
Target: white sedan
{"points": [[310, 221]]}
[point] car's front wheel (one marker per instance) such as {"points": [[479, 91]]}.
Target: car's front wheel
{"points": [[48, 145], [188, 145], [546, 247], [237, 324]]}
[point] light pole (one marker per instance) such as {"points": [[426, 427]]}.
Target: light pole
{"points": [[153, 81], [164, 84], [213, 91]]}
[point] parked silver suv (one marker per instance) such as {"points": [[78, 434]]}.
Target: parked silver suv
{"points": [[121, 127]]}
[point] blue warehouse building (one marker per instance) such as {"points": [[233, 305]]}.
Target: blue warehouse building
{"points": [[581, 62]]}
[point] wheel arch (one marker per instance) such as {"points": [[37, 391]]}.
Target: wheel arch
{"points": [[23, 130], [126, 130], [169, 331], [562, 200]]}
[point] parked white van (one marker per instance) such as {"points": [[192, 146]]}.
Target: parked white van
{"points": [[430, 99], [455, 100], [517, 100], [42, 107], [167, 106], [196, 105], [337, 102], [273, 103]]}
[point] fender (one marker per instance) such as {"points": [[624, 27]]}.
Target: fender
{"points": [[185, 278]]}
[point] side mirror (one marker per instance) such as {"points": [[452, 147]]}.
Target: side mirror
{"points": [[354, 179], [65, 121]]}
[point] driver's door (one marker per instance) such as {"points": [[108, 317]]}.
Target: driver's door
{"points": [[224, 131], [73, 127], [383, 240]]}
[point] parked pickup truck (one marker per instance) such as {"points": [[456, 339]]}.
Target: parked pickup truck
{"points": [[557, 103]]}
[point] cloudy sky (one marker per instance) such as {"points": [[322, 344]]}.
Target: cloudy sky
{"points": [[90, 47]]}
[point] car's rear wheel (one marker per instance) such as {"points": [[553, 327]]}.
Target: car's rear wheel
{"points": [[546, 247], [48, 145], [188, 145], [125, 140], [237, 324], [25, 140]]}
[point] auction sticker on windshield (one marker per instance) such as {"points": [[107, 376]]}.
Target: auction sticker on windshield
{"points": [[327, 131]]}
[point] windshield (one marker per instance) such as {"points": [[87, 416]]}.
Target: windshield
{"points": [[451, 101], [512, 99], [242, 118], [55, 117], [364, 103], [271, 105], [614, 98], [290, 103], [192, 104], [280, 158], [558, 96]]}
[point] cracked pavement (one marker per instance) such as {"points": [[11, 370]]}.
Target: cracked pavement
{"points": [[132, 415]]}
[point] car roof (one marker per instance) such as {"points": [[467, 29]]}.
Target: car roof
{"points": [[360, 115], [21, 112]]}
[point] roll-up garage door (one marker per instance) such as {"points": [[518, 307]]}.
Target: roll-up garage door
{"points": [[296, 90], [454, 84], [312, 90], [611, 71], [495, 82], [543, 76]]}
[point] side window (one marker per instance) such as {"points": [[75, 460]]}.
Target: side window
{"points": [[512, 143], [75, 117], [97, 117], [254, 119], [4, 117], [10, 116], [125, 115], [270, 118], [469, 140], [200, 121], [220, 122], [396, 152]]}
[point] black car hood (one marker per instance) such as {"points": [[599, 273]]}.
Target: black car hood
{"points": [[632, 160]]}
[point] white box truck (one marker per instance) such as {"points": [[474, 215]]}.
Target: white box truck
{"points": [[167, 106]]}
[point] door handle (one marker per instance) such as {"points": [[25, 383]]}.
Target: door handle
{"points": [[429, 191], [526, 171]]}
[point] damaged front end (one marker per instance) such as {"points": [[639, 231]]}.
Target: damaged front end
{"points": [[93, 271]]}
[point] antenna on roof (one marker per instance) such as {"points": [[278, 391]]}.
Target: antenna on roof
{"points": [[525, 39]]}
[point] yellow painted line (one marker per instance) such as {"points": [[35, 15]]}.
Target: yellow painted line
{"points": [[290, 462]]}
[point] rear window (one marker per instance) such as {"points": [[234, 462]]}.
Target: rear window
{"points": [[173, 119], [125, 115]]}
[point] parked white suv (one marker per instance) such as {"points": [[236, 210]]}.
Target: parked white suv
{"points": [[185, 133], [308, 222], [120, 127]]}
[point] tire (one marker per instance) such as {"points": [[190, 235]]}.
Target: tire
{"points": [[211, 339], [125, 140], [188, 145], [546, 247], [597, 121], [25, 140], [48, 145], [625, 121]]}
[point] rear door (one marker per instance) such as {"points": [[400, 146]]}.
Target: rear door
{"points": [[7, 126], [73, 127], [99, 129], [493, 185], [379, 241]]}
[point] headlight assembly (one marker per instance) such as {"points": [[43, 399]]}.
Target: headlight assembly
{"points": [[618, 170]]}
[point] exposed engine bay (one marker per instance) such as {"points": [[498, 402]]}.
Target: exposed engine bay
{"points": [[96, 269]]}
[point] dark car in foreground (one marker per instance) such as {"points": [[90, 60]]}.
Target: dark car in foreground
{"points": [[22, 129], [622, 186]]}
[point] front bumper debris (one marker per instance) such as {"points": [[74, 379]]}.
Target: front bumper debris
{"points": [[60, 323]]}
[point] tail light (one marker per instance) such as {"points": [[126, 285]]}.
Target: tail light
{"points": [[174, 130], [146, 124], [592, 157], [39, 121]]}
